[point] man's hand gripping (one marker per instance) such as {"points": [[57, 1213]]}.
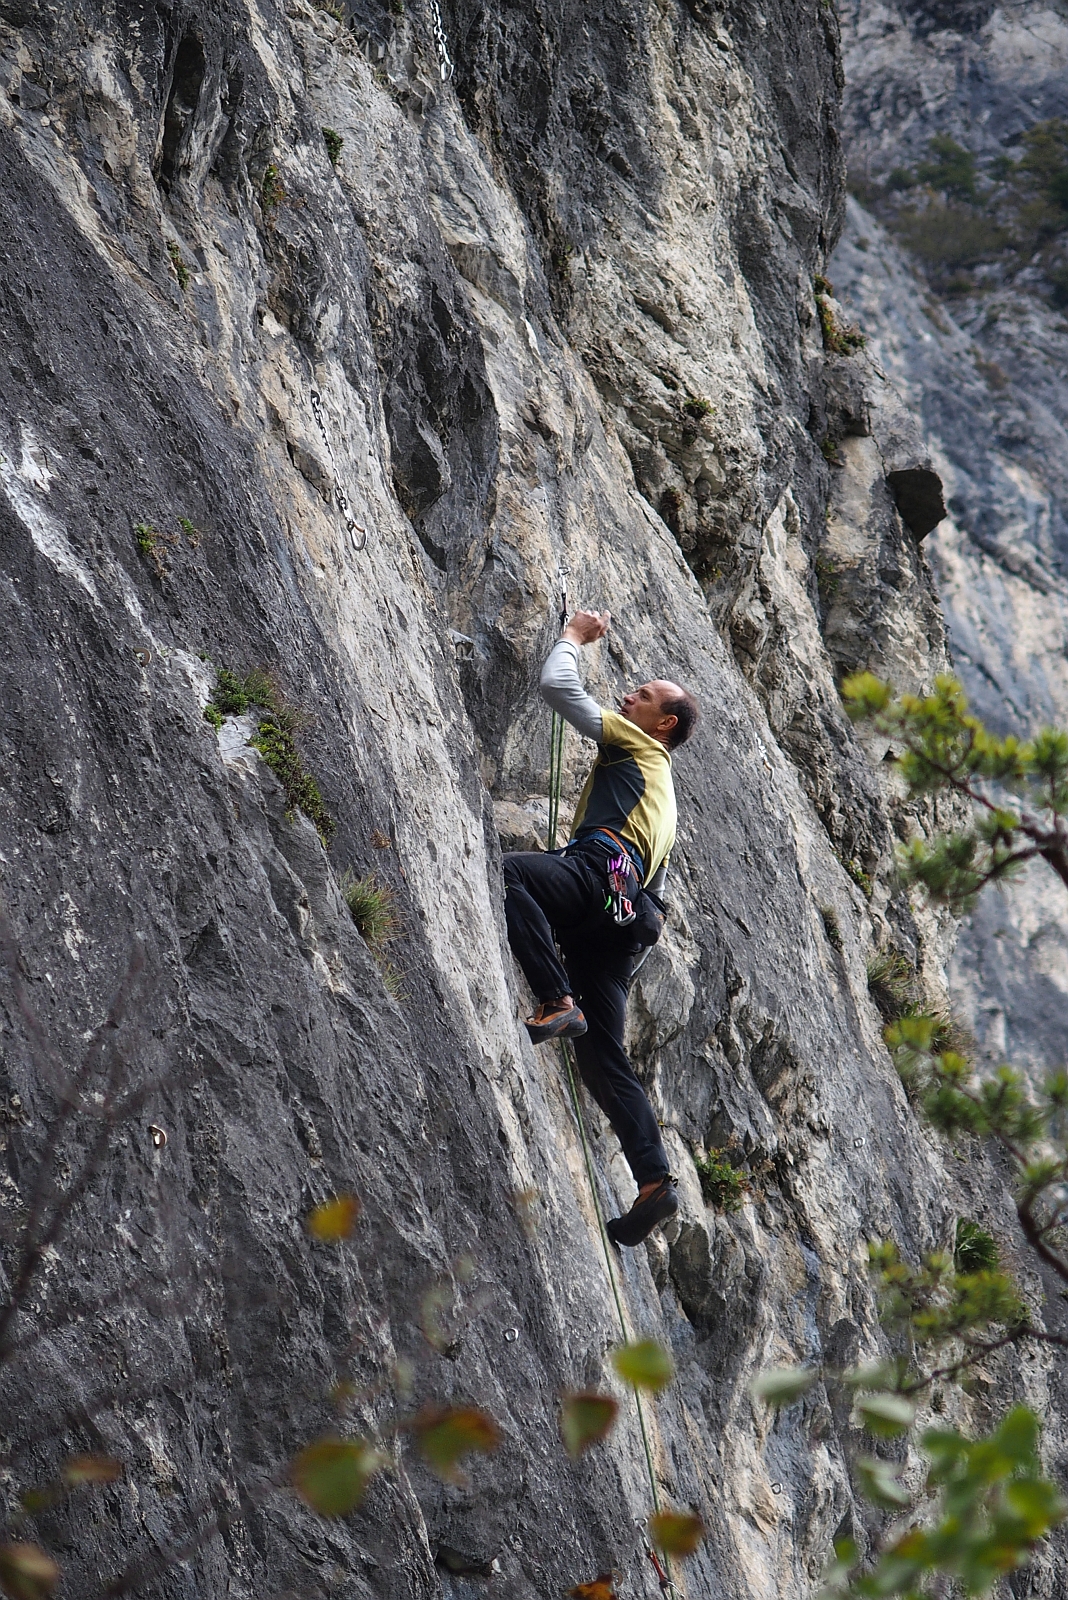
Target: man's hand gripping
{"points": [[587, 626]]}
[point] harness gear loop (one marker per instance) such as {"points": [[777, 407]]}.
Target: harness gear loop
{"points": [[341, 499], [555, 780]]}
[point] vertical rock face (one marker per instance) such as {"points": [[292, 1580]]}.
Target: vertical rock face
{"points": [[352, 414], [988, 374]]}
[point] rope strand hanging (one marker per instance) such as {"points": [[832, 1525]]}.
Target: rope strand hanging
{"points": [[556, 757]]}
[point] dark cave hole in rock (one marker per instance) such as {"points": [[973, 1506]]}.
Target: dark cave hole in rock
{"points": [[186, 81]]}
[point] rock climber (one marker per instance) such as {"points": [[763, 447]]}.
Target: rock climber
{"points": [[590, 896]]}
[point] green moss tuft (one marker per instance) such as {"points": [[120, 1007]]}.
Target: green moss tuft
{"points": [[181, 271], [334, 144], [275, 738], [837, 340], [272, 190]]}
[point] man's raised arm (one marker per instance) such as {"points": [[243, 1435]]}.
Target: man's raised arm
{"points": [[561, 685]]}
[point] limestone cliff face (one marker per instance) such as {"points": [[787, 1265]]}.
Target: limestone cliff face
{"points": [[987, 373], [552, 311]]}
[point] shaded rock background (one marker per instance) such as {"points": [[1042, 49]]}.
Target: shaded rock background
{"points": [[550, 320], [987, 372]]}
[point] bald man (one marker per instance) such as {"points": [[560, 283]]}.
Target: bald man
{"points": [[587, 899]]}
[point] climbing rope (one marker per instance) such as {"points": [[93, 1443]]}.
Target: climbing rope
{"points": [[556, 754], [341, 499], [441, 40]]}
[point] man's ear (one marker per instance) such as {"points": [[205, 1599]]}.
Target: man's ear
{"points": [[667, 723]]}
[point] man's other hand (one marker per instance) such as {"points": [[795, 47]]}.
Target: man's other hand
{"points": [[586, 626]]}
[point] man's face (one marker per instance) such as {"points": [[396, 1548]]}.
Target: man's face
{"points": [[643, 707]]}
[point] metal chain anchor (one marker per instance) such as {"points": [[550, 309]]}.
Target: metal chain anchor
{"points": [[341, 499], [444, 58]]}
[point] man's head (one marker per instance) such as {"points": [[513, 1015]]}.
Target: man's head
{"points": [[662, 710]]}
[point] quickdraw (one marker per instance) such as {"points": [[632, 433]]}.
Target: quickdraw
{"points": [[444, 58], [616, 901], [666, 1585], [341, 499]]}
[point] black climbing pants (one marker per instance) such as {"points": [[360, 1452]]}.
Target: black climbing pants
{"points": [[565, 894]]}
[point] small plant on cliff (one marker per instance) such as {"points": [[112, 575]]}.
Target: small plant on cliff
{"points": [[334, 144], [723, 1185], [837, 340], [892, 984], [974, 1250], [278, 724], [150, 546], [272, 190], [698, 408], [181, 271], [987, 1504], [832, 927], [373, 908]]}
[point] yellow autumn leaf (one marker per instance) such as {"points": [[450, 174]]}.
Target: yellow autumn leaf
{"points": [[91, 1469], [334, 1219], [645, 1364], [444, 1434], [584, 1419], [331, 1475], [677, 1533], [602, 1588], [27, 1572]]}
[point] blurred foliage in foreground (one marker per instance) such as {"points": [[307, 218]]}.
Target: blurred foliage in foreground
{"points": [[984, 1504]]}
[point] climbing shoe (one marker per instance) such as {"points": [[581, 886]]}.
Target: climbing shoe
{"points": [[566, 1024], [644, 1215]]}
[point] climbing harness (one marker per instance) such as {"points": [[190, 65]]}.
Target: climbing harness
{"points": [[440, 39], [663, 1570], [341, 499]]}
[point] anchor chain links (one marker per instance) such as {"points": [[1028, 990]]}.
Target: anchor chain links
{"points": [[341, 499], [440, 38]]}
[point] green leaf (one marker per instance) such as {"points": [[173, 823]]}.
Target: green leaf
{"points": [[885, 1414], [781, 1386], [645, 1364], [331, 1475], [677, 1533], [865, 695], [880, 1484], [445, 1434], [334, 1219], [26, 1572], [585, 1419]]}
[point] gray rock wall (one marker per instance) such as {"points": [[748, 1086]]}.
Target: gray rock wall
{"points": [[987, 373], [504, 294]]}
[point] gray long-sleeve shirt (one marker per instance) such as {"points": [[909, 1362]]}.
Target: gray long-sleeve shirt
{"points": [[561, 687]]}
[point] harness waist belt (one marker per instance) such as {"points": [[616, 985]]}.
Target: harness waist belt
{"points": [[615, 846]]}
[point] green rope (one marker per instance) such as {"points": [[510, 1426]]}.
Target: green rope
{"points": [[556, 754], [556, 774], [569, 1062]]}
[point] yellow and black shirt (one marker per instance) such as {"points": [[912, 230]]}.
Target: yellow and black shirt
{"points": [[629, 792]]}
